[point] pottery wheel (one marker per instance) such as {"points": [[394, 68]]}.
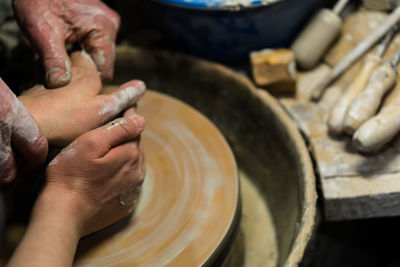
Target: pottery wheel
{"points": [[189, 198]]}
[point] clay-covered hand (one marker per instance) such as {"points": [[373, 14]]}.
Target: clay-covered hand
{"points": [[65, 113], [48, 24], [104, 169], [18, 131], [92, 183]]}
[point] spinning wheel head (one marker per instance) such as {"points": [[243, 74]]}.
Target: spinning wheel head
{"points": [[189, 198]]}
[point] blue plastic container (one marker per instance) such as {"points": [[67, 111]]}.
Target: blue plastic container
{"points": [[224, 30], [215, 3]]}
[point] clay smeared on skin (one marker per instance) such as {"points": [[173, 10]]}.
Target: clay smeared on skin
{"points": [[68, 152], [5, 148], [18, 120], [86, 56], [16, 124], [90, 22], [116, 123], [123, 99], [99, 58], [24, 125]]}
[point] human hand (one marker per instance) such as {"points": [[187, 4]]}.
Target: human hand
{"points": [[48, 24], [104, 168], [92, 183], [67, 112], [18, 130]]}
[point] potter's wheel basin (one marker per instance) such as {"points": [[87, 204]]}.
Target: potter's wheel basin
{"points": [[268, 148]]}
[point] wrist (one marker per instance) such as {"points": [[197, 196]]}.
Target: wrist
{"points": [[62, 210], [53, 231]]}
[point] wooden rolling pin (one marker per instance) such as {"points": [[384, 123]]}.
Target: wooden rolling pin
{"points": [[366, 104], [380, 129], [354, 54], [316, 37], [338, 113]]}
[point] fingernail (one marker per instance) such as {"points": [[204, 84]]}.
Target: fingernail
{"points": [[141, 87], [139, 121], [58, 76], [133, 116], [55, 73]]}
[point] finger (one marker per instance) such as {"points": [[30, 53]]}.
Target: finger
{"points": [[126, 96], [47, 37], [83, 60], [130, 111], [20, 129], [124, 154], [101, 46], [84, 71], [27, 138], [117, 132]]}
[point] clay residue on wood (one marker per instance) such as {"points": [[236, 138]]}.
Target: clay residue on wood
{"points": [[335, 156]]}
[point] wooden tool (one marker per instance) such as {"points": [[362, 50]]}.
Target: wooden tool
{"points": [[317, 36], [381, 4], [367, 102], [377, 131], [353, 55], [190, 195], [336, 120]]}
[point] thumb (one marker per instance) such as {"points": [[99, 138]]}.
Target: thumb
{"points": [[48, 40], [115, 133]]}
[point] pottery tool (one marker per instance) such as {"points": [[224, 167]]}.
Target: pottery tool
{"points": [[317, 36], [189, 201], [381, 4], [377, 131], [336, 120], [353, 185], [354, 54], [367, 102]]}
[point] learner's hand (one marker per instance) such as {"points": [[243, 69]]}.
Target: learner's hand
{"points": [[48, 24], [67, 112], [104, 169], [92, 183], [19, 134]]}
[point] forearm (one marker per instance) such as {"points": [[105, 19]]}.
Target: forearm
{"points": [[52, 234]]}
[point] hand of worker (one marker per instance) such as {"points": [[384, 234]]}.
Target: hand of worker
{"points": [[65, 113], [19, 134], [48, 24], [92, 183]]}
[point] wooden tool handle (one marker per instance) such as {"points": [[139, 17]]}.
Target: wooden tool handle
{"points": [[379, 130], [320, 87], [358, 51], [338, 113], [366, 104]]}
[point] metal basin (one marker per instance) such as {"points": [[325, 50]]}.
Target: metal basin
{"points": [[269, 149]]}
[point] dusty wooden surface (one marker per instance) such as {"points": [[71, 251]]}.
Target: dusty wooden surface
{"points": [[189, 199], [353, 185]]}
